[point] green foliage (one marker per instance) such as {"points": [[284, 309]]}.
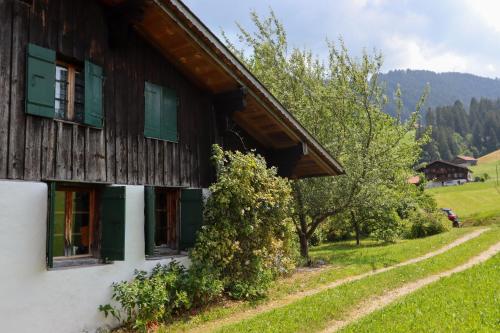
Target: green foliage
{"points": [[422, 224], [247, 237], [454, 132], [387, 227], [149, 299], [340, 102], [246, 242], [345, 259]]}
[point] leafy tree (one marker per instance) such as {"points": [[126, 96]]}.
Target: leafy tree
{"points": [[340, 102]]}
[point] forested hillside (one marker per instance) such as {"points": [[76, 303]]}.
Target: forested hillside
{"points": [[455, 131], [445, 88]]}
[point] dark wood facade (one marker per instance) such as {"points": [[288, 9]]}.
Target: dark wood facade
{"points": [[35, 148], [442, 171]]}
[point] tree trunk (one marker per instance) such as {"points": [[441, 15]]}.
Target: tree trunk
{"points": [[356, 231], [304, 246], [356, 228], [302, 228]]}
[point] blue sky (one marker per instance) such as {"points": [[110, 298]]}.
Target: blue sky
{"points": [[439, 35]]}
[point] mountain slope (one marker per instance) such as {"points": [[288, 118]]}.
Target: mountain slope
{"points": [[445, 88]]}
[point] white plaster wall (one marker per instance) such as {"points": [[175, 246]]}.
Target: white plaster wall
{"points": [[33, 299]]}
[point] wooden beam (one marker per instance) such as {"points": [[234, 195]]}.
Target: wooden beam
{"points": [[230, 101], [226, 104], [286, 159]]}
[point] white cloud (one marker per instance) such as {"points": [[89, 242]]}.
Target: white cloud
{"points": [[487, 10], [414, 53]]}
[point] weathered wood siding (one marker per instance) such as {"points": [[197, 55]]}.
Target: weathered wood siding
{"points": [[34, 148]]}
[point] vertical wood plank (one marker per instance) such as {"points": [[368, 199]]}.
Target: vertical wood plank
{"points": [[121, 118], [150, 151], [20, 29], [109, 120], [5, 89], [64, 146], [65, 28], [79, 139], [48, 149]]}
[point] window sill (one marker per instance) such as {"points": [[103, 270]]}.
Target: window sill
{"points": [[69, 122], [160, 139], [60, 264], [172, 255]]}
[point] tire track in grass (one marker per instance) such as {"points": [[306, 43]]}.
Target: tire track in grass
{"points": [[212, 325], [375, 303]]}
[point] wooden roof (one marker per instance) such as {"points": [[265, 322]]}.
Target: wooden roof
{"points": [[186, 42], [445, 163]]}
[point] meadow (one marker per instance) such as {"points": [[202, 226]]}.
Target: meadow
{"points": [[450, 305], [478, 202]]}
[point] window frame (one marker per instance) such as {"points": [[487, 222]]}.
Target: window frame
{"points": [[92, 220], [152, 250], [70, 113]]}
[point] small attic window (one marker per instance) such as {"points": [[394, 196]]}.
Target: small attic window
{"points": [[69, 92]]}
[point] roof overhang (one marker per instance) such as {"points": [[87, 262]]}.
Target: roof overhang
{"points": [[187, 43]]}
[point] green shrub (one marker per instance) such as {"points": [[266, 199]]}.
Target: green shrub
{"points": [[247, 236], [149, 299], [422, 224], [388, 228], [203, 286]]}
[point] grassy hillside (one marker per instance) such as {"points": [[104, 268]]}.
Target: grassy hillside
{"points": [[474, 201], [445, 88]]}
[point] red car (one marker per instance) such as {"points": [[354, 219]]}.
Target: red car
{"points": [[452, 217]]}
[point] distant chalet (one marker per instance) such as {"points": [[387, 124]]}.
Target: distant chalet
{"points": [[443, 173], [464, 160]]}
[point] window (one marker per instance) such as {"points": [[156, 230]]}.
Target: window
{"points": [[162, 228], [172, 218], [86, 224], [160, 112], [69, 93], [73, 222], [57, 89]]}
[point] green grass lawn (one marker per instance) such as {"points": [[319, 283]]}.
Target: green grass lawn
{"points": [[314, 312], [489, 168], [345, 258], [465, 302], [470, 201]]}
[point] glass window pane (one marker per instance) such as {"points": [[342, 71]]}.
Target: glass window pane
{"points": [[79, 96], [59, 213], [61, 92], [80, 233], [161, 219]]}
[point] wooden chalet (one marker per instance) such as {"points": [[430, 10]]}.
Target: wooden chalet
{"points": [[464, 160], [446, 173], [108, 111]]}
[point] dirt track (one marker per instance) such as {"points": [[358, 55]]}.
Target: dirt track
{"points": [[376, 303], [212, 325]]}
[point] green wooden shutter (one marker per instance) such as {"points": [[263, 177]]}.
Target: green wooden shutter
{"points": [[113, 223], [50, 224], [191, 216], [169, 115], [150, 219], [152, 109], [93, 95], [40, 81]]}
